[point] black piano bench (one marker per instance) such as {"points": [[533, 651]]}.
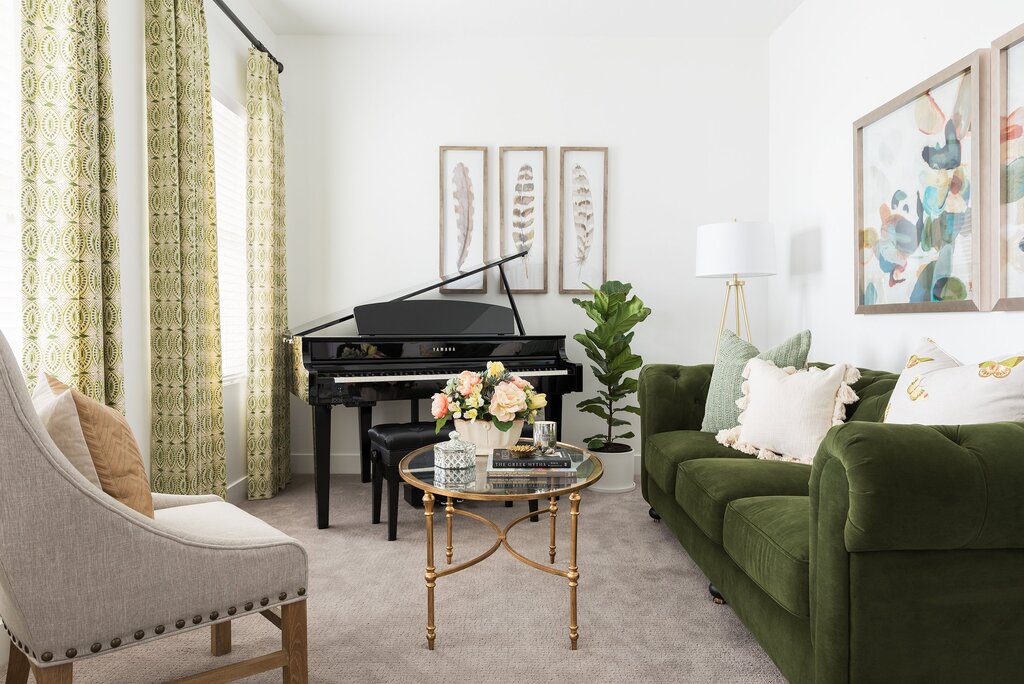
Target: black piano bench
{"points": [[389, 444]]}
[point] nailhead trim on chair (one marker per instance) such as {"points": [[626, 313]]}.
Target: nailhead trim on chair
{"points": [[139, 635]]}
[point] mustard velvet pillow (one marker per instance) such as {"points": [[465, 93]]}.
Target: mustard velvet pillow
{"points": [[114, 451], [936, 389]]}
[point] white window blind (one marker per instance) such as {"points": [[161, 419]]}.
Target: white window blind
{"points": [[229, 163], [10, 176]]}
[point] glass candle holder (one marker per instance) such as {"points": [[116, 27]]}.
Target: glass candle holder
{"points": [[545, 436]]}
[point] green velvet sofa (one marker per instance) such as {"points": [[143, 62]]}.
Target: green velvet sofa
{"points": [[897, 557]]}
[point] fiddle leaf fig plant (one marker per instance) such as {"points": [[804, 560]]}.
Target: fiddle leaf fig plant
{"points": [[614, 314]]}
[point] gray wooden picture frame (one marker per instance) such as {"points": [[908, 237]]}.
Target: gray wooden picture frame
{"points": [[976, 63]]}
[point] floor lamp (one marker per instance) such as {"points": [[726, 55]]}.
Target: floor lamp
{"points": [[741, 249]]}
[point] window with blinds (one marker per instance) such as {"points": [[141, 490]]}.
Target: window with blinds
{"points": [[229, 163], [10, 176]]}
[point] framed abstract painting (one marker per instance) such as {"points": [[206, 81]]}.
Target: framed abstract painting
{"points": [[523, 202], [919, 195], [583, 219], [1008, 170], [463, 222]]}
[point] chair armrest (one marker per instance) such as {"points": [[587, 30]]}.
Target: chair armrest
{"points": [[162, 501], [919, 487]]}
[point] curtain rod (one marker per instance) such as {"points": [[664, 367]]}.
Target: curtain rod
{"points": [[248, 34]]}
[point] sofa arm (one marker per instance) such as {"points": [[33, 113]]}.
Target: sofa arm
{"points": [[672, 397], [918, 487]]}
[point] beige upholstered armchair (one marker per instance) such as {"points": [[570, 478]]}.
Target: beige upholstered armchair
{"points": [[82, 575]]}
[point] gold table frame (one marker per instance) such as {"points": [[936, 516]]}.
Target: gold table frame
{"points": [[432, 574]]}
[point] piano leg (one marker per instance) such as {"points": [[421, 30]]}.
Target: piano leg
{"points": [[553, 411], [322, 462], [365, 423]]}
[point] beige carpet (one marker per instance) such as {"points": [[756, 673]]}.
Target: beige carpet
{"points": [[644, 612]]}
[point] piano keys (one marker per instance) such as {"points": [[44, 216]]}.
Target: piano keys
{"points": [[405, 350]]}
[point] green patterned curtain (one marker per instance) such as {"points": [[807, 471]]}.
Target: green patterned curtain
{"points": [[267, 438], [187, 448], [71, 285]]}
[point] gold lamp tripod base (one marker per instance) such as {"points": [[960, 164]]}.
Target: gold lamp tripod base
{"points": [[741, 307]]}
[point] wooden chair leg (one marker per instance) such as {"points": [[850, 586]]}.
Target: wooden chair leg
{"points": [[17, 666], [293, 641], [58, 674], [220, 638]]}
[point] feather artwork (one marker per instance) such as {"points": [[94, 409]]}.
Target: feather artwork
{"points": [[583, 214], [522, 213], [464, 211]]}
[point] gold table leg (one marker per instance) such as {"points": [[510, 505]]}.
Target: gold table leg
{"points": [[553, 510], [573, 574], [448, 550], [430, 576]]}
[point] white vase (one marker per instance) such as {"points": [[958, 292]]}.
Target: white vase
{"points": [[618, 472], [487, 437]]}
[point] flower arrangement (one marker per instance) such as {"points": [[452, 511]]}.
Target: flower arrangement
{"points": [[496, 395]]}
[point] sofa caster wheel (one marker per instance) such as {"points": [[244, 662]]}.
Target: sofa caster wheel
{"points": [[716, 597], [654, 514]]}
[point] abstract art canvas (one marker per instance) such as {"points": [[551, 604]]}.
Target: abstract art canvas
{"points": [[919, 196], [583, 219], [523, 200], [463, 200], [1008, 157]]}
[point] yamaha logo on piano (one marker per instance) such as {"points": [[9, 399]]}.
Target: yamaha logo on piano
{"points": [[442, 349]]}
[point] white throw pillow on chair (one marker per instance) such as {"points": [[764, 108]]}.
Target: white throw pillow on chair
{"points": [[59, 415]]}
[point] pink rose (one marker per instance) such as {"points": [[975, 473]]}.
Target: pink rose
{"points": [[507, 401], [467, 381], [519, 382], [439, 409]]}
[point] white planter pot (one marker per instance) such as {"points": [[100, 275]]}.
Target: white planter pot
{"points": [[618, 472], [487, 437]]}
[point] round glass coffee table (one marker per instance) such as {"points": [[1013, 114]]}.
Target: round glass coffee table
{"points": [[473, 484]]}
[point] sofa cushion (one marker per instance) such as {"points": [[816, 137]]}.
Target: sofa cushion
{"points": [[873, 391], [768, 538], [704, 487], [666, 450]]}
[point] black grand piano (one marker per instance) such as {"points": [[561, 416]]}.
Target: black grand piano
{"points": [[406, 349]]}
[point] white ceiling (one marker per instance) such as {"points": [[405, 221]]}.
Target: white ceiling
{"points": [[607, 18]]}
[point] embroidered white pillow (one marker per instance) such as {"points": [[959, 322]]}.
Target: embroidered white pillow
{"points": [[786, 412], [936, 389]]}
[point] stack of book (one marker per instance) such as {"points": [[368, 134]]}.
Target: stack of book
{"points": [[510, 469]]}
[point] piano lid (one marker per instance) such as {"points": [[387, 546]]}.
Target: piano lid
{"points": [[349, 313]]}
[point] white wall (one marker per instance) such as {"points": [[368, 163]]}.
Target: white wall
{"points": [[685, 120], [228, 52], [831, 63]]}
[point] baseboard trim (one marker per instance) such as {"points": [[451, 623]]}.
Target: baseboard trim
{"points": [[237, 490]]}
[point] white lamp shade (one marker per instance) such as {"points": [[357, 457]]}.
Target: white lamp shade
{"points": [[745, 249]]}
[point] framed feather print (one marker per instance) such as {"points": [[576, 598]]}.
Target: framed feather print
{"points": [[523, 202], [463, 222], [920, 195], [583, 218], [1007, 157]]}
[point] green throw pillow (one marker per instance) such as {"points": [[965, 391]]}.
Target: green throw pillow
{"points": [[721, 412]]}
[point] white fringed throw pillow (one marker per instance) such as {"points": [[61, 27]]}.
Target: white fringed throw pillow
{"points": [[786, 412], [936, 389]]}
